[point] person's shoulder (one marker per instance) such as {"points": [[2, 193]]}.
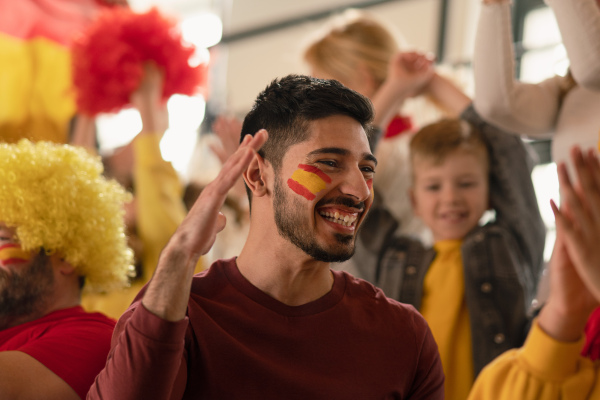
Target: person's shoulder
{"points": [[66, 326], [76, 316], [213, 278], [388, 316], [372, 297], [78, 321], [491, 231]]}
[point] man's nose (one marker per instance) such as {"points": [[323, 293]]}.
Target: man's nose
{"points": [[356, 185]]}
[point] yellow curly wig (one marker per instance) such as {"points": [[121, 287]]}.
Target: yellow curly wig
{"points": [[57, 199]]}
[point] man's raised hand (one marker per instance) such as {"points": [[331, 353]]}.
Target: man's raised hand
{"points": [[205, 212], [169, 289]]}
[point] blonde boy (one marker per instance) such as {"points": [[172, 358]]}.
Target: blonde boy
{"points": [[475, 286]]}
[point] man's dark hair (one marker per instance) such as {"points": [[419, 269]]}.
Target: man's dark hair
{"points": [[287, 106]]}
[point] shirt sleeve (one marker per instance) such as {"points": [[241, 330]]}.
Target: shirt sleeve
{"points": [[579, 24], [147, 359], [543, 369], [522, 108], [74, 350]]}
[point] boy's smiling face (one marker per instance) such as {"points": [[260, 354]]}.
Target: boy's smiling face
{"points": [[450, 197]]}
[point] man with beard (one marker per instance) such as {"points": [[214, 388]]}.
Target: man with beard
{"points": [[61, 231], [277, 322]]}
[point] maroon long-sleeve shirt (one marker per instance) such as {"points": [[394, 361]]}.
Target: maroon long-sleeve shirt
{"points": [[239, 343]]}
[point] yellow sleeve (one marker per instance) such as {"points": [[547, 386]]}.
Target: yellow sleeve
{"points": [[158, 193], [543, 369]]}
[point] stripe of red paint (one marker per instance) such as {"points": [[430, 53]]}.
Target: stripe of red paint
{"points": [[316, 171], [9, 245], [14, 261], [301, 190]]}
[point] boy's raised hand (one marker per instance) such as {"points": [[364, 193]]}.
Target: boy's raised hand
{"points": [[169, 289]]}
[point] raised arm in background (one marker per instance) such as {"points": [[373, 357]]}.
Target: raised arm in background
{"points": [[579, 24], [523, 108]]}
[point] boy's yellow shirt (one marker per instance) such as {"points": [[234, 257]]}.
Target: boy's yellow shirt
{"points": [[445, 309]]}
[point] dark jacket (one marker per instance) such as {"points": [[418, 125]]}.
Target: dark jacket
{"points": [[502, 260]]}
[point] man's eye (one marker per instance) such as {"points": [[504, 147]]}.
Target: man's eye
{"points": [[466, 184], [329, 163], [432, 188], [369, 170]]}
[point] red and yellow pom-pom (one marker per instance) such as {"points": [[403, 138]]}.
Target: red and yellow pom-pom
{"points": [[108, 59]]}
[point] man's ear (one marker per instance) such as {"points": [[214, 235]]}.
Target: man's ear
{"points": [[59, 264], [254, 176]]}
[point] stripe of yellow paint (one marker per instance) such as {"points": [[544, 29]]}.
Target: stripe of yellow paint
{"points": [[309, 180], [14, 252]]}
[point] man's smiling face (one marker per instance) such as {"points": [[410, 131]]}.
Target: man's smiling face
{"points": [[324, 189]]}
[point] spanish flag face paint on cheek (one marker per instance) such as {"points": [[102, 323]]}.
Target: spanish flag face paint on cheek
{"points": [[13, 254], [307, 181]]}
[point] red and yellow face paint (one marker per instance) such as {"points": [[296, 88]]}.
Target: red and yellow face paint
{"points": [[12, 253], [307, 181]]}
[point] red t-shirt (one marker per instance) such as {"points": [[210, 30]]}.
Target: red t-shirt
{"points": [[70, 342], [240, 343]]}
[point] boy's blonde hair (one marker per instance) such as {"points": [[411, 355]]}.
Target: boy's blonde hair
{"points": [[439, 139], [351, 40]]}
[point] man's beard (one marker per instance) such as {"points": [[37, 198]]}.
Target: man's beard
{"points": [[25, 292], [293, 226]]}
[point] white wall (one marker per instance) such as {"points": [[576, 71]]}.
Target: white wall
{"points": [[250, 64]]}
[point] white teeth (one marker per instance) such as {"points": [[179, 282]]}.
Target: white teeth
{"points": [[344, 220]]}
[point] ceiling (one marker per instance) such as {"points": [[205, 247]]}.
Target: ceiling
{"points": [[243, 18]]}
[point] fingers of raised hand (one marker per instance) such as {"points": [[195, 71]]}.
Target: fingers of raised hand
{"points": [[564, 226], [585, 204], [588, 171], [239, 161], [571, 201]]}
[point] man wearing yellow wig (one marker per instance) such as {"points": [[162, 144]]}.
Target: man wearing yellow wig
{"points": [[61, 233]]}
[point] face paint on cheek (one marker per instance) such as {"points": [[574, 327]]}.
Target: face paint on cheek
{"points": [[307, 181], [13, 254]]}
